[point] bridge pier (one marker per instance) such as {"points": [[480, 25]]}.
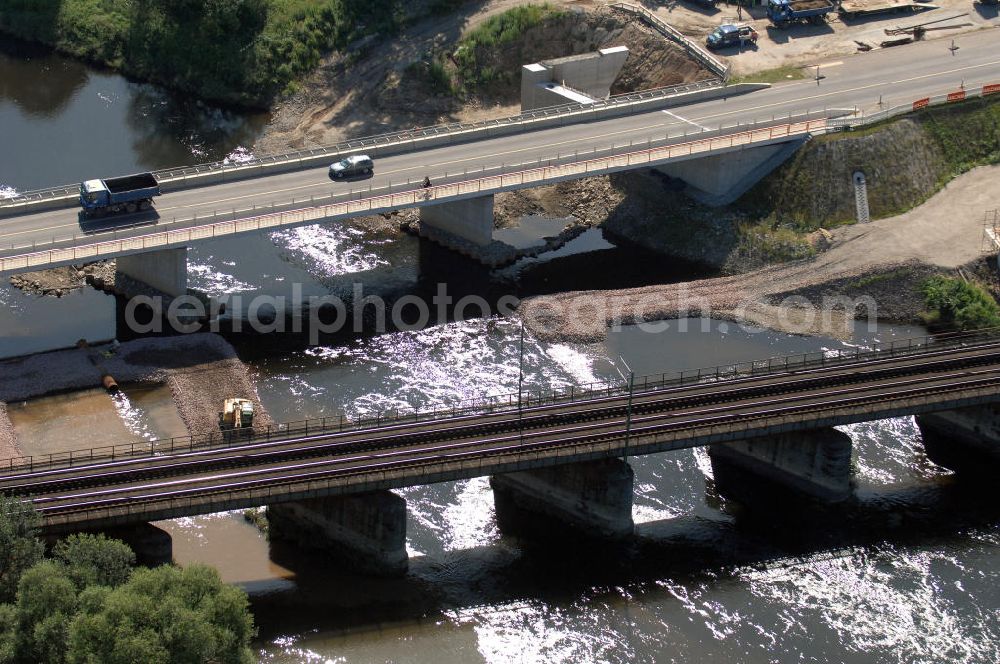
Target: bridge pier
{"points": [[164, 269], [721, 179], [365, 531], [966, 440], [765, 471], [591, 498], [153, 546], [461, 225]]}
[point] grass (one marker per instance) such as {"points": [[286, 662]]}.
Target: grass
{"points": [[471, 53], [776, 75], [865, 282], [244, 52]]}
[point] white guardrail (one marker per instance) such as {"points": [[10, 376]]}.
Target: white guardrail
{"points": [[411, 198], [693, 49]]}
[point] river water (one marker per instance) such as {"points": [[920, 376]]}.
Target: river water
{"points": [[906, 572]]}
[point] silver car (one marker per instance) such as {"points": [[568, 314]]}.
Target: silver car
{"points": [[356, 164]]}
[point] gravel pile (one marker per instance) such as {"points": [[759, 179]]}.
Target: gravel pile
{"points": [[8, 439], [202, 370], [584, 316]]}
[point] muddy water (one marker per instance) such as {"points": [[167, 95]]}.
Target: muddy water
{"points": [[88, 418]]}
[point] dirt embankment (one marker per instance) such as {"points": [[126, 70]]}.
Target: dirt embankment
{"points": [[8, 439], [391, 86], [901, 163]]}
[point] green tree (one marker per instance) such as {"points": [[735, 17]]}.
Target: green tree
{"points": [[95, 560], [19, 548], [164, 615], [46, 603]]}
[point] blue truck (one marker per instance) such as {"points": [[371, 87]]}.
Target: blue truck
{"points": [[129, 193], [784, 13]]}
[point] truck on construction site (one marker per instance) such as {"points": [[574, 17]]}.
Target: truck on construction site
{"points": [[236, 414], [129, 193], [731, 35], [784, 13], [856, 8]]}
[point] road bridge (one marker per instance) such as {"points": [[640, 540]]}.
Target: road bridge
{"points": [[557, 453], [477, 165]]}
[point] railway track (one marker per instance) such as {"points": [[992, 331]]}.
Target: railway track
{"points": [[529, 421], [678, 420]]}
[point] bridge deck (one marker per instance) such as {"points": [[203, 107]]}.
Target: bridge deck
{"points": [[405, 454]]}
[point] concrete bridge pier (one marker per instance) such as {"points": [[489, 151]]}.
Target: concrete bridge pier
{"points": [[591, 498], [721, 179], [365, 531], [465, 226], [164, 269], [767, 471], [153, 546], [966, 440]]}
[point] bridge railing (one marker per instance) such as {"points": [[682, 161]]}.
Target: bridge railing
{"points": [[863, 119], [498, 404], [322, 208], [693, 49]]}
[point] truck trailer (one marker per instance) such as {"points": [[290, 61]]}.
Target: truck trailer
{"points": [[854, 8], [114, 195], [784, 13]]}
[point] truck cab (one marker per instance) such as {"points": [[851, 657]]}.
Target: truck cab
{"points": [[93, 194], [730, 35]]}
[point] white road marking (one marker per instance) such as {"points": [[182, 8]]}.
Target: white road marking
{"points": [[674, 115]]}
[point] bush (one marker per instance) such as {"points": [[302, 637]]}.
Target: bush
{"points": [[955, 304], [89, 605], [19, 549]]}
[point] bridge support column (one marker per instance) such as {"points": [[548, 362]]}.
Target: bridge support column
{"points": [[592, 498], [721, 179], [966, 440], [459, 224], [815, 464], [365, 531], [165, 269], [152, 545]]}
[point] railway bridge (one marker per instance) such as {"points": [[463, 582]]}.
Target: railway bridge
{"points": [[556, 460]]}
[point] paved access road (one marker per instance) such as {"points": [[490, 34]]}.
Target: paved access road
{"points": [[895, 76]]}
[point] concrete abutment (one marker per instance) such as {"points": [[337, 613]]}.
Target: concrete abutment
{"points": [[592, 499], [763, 471], [470, 219], [966, 440], [365, 531]]}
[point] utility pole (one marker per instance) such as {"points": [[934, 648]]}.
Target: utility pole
{"points": [[520, 383]]}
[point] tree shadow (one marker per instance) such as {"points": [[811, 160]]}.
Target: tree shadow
{"points": [[37, 80]]}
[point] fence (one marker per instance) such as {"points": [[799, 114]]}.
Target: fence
{"points": [[318, 210], [511, 402], [863, 119], [693, 49]]}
